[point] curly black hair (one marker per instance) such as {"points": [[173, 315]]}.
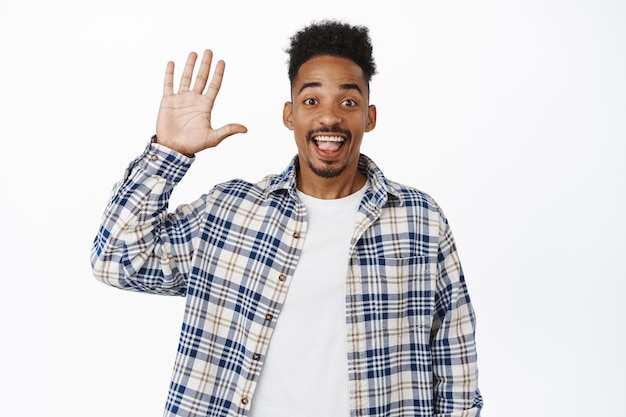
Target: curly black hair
{"points": [[334, 38]]}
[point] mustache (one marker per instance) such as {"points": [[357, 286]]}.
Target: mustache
{"points": [[330, 129]]}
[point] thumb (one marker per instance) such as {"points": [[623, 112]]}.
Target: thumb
{"points": [[227, 131]]}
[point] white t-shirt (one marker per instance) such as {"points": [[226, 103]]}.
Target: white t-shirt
{"points": [[306, 368]]}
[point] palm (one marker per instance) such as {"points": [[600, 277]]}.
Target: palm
{"points": [[184, 121]]}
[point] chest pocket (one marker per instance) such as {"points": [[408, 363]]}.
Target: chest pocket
{"points": [[406, 288]]}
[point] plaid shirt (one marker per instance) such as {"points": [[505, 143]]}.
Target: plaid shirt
{"points": [[233, 252]]}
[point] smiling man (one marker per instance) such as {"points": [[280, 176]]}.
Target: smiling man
{"points": [[325, 290], [329, 113]]}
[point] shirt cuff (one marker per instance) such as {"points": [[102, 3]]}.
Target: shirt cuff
{"points": [[161, 161]]}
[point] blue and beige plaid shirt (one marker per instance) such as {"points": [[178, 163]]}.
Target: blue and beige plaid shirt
{"points": [[233, 252]]}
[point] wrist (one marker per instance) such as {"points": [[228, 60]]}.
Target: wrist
{"points": [[154, 140]]}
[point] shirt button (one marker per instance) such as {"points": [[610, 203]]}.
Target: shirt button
{"points": [[296, 235], [256, 356], [282, 277], [244, 400], [154, 157], [268, 317]]}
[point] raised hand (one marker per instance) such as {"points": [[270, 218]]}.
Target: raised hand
{"points": [[184, 121]]}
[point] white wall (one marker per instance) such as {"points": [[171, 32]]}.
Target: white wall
{"points": [[510, 113]]}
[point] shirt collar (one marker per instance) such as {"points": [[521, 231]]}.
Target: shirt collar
{"points": [[381, 189]]}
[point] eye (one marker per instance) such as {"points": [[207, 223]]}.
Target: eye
{"points": [[349, 102], [309, 101]]}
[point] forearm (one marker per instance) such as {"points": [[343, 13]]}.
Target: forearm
{"points": [[133, 248], [453, 344], [455, 371]]}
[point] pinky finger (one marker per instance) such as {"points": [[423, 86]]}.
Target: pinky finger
{"points": [[168, 82]]}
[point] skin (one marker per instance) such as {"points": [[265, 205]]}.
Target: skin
{"points": [[329, 98], [184, 120]]}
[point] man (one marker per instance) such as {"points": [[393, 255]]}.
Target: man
{"points": [[326, 290]]}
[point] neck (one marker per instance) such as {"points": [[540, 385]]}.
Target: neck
{"points": [[330, 188]]}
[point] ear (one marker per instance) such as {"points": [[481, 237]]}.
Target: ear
{"points": [[371, 118], [288, 115]]}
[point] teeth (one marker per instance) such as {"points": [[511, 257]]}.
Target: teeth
{"points": [[328, 139]]}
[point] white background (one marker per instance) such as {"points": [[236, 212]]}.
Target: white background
{"points": [[512, 114]]}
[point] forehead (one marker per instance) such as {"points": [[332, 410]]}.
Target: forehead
{"points": [[329, 71]]}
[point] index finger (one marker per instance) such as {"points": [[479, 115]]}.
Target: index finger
{"points": [[216, 81]]}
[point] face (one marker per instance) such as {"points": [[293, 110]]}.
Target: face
{"points": [[329, 113]]}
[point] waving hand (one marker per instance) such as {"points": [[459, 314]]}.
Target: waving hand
{"points": [[184, 121]]}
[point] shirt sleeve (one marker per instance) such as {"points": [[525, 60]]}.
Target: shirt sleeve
{"points": [[139, 245], [453, 345]]}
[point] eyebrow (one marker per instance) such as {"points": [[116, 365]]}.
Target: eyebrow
{"points": [[316, 84]]}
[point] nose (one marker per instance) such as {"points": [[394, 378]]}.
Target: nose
{"points": [[329, 115]]}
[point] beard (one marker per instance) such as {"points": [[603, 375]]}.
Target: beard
{"points": [[329, 170]]}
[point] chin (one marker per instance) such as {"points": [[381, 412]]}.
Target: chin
{"points": [[328, 171]]}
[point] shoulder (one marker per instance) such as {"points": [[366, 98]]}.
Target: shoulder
{"points": [[413, 197], [390, 193], [238, 191]]}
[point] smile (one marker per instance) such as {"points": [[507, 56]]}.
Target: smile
{"points": [[329, 143]]}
